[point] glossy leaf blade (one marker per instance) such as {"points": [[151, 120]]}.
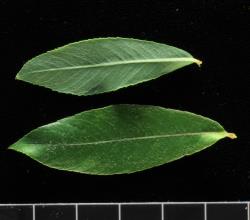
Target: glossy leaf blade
{"points": [[104, 64], [120, 139]]}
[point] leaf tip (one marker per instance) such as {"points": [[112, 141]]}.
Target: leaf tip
{"points": [[198, 62], [232, 135]]}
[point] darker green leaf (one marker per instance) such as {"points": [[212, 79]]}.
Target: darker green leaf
{"points": [[102, 65]]}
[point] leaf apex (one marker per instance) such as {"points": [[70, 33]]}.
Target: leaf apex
{"points": [[198, 62], [232, 135]]}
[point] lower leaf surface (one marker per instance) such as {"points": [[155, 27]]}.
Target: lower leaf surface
{"points": [[120, 139]]}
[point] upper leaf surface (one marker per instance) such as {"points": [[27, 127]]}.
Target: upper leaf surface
{"points": [[101, 65]]}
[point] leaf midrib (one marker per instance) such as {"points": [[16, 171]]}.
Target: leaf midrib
{"points": [[135, 138], [163, 60]]}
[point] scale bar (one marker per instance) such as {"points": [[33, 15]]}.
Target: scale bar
{"points": [[205, 211], [33, 212], [76, 211], [119, 212], [248, 211], [162, 211], [125, 211]]}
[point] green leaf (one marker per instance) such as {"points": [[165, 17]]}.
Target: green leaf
{"points": [[104, 64], [120, 139]]}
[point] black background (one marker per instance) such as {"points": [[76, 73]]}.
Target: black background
{"points": [[213, 31]]}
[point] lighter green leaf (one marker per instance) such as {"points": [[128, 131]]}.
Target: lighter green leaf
{"points": [[104, 64], [120, 139]]}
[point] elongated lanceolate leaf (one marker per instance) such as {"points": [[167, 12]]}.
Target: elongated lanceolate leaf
{"points": [[120, 139], [104, 64]]}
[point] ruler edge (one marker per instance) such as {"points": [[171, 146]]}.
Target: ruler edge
{"points": [[124, 203]]}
